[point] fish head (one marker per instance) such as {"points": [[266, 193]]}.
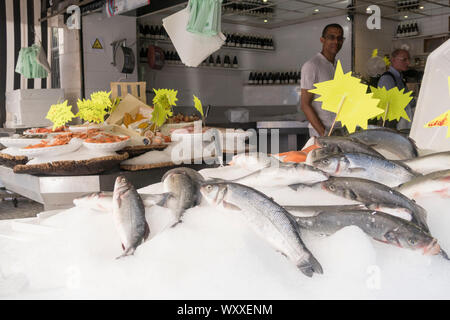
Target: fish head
{"points": [[413, 238], [214, 193], [121, 185], [331, 164]]}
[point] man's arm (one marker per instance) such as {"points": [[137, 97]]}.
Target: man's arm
{"points": [[306, 99]]}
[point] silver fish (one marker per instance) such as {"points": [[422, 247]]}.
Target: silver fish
{"points": [[103, 201], [360, 165], [268, 218], [378, 225], [283, 174], [129, 216], [388, 139], [436, 183], [183, 184], [253, 160], [344, 145], [430, 163], [307, 211], [374, 195]]}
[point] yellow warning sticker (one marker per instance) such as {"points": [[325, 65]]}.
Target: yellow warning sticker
{"points": [[97, 45]]}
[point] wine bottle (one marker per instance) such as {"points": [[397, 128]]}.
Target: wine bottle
{"points": [[141, 31], [218, 61], [235, 62], [146, 31], [250, 78], [161, 33], [270, 78], [226, 61], [211, 61]]}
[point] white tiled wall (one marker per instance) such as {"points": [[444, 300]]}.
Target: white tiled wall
{"points": [[294, 44], [98, 70]]}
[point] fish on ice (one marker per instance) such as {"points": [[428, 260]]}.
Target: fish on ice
{"points": [[129, 216], [435, 183], [267, 218]]}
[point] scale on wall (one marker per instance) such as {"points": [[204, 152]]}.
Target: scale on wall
{"points": [[123, 57]]}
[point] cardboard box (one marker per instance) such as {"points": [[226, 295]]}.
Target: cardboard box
{"points": [[131, 105]]}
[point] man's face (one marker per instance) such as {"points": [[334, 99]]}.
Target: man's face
{"points": [[332, 41], [401, 61]]}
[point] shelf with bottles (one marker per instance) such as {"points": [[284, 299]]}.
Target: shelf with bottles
{"points": [[253, 8], [424, 36], [212, 62], [408, 5], [273, 78], [407, 29], [248, 42]]}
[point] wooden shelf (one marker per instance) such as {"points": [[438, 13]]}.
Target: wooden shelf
{"points": [[423, 36], [199, 67]]}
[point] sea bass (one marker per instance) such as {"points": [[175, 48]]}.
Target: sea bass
{"points": [[387, 139], [436, 183], [283, 174], [253, 160], [360, 165], [267, 218], [129, 216], [344, 145], [103, 201], [378, 225], [183, 184], [374, 195], [430, 163]]}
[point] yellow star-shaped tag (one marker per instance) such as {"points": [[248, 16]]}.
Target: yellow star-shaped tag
{"points": [[397, 100], [346, 96]]}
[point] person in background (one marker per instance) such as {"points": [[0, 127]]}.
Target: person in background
{"points": [[393, 78], [320, 68]]}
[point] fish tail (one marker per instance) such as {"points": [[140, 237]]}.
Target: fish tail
{"points": [[310, 266], [128, 252]]}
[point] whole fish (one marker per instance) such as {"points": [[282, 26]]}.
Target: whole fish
{"points": [[360, 165], [283, 174], [103, 201], [393, 141], [344, 145], [129, 216], [268, 218], [436, 183], [374, 195], [378, 225], [430, 163], [253, 160], [317, 154], [183, 184], [307, 211]]}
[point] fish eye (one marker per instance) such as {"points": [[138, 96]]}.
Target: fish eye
{"points": [[331, 187], [412, 241], [325, 161], [208, 187]]}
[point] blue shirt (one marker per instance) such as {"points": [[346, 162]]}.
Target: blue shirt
{"points": [[388, 82]]}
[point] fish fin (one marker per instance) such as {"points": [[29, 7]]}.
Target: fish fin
{"points": [[176, 223], [444, 254], [297, 186], [231, 206], [351, 195], [392, 239], [123, 247], [146, 232], [310, 266]]}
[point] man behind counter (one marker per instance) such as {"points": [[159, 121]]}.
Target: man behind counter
{"points": [[320, 68], [394, 78]]}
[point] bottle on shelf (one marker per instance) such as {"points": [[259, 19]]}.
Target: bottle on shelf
{"points": [[250, 78], [235, 62], [211, 61], [218, 61], [226, 62]]}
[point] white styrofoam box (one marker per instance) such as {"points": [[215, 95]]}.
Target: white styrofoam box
{"points": [[28, 107], [433, 101]]}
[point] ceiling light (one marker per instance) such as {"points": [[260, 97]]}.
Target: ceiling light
{"points": [[421, 7], [406, 17], [316, 10], [265, 20], [264, 0], [368, 9]]}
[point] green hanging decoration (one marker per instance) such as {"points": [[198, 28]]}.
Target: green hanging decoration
{"points": [[28, 65], [205, 17]]}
